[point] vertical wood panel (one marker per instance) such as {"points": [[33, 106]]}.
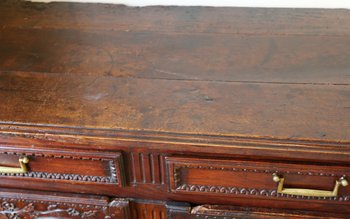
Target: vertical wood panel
{"points": [[156, 170], [162, 169], [147, 168], [135, 159], [148, 210]]}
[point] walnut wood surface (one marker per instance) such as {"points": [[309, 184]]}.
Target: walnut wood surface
{"points": [[246, 72]]}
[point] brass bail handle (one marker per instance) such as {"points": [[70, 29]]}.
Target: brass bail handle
{"points": [[23, 161], [309, 192]]}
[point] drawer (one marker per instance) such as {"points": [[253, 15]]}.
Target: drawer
{"points": [[22, 204], [183, 211], [235, 212], [76, 171], [258, 180]]}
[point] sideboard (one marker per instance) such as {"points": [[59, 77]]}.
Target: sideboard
{"points": [[109, 111]]}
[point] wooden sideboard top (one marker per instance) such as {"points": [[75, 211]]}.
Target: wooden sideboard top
{"points": [[274, 73]]}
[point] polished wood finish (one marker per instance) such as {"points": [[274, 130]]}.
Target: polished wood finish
{"points": [[184, 104]]}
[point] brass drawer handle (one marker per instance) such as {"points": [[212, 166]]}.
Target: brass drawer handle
{"points": [[308, 192], [23, 169]]}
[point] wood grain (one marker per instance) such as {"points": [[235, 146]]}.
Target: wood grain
{"points": [[292, 85]]}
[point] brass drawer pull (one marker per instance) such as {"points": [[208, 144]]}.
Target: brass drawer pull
{"points": [[23, 169], [308, 192]]}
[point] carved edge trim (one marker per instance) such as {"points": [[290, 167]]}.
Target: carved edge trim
{"points": [[225, 190], [114, 178], [28, 128], [8, 208], [55, 156], [52, 202], [252, 170], [251, 192], [212, 212]]}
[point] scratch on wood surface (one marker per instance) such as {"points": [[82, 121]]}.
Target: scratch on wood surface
{"points": [[184, 76]]}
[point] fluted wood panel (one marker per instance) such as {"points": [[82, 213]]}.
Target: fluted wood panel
{"points": [[146, 168]]}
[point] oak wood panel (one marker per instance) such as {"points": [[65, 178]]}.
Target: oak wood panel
{"points": [[267, 110], [319, 60], [285, 86], [175, 19]]}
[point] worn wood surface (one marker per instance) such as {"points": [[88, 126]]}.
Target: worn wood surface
{"points": [[239, 72], [142, 95]]}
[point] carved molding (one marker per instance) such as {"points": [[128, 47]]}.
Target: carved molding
{"points": [[252, 170], [56, 156], [60, 176], [51, 133], [18, 208], [10, 209], [250, 191], [225, 190]]}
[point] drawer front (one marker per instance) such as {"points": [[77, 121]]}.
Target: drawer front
{"points": [[22, 204], [56, 170], [233, 212], [181, 211], [247, 179]]}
